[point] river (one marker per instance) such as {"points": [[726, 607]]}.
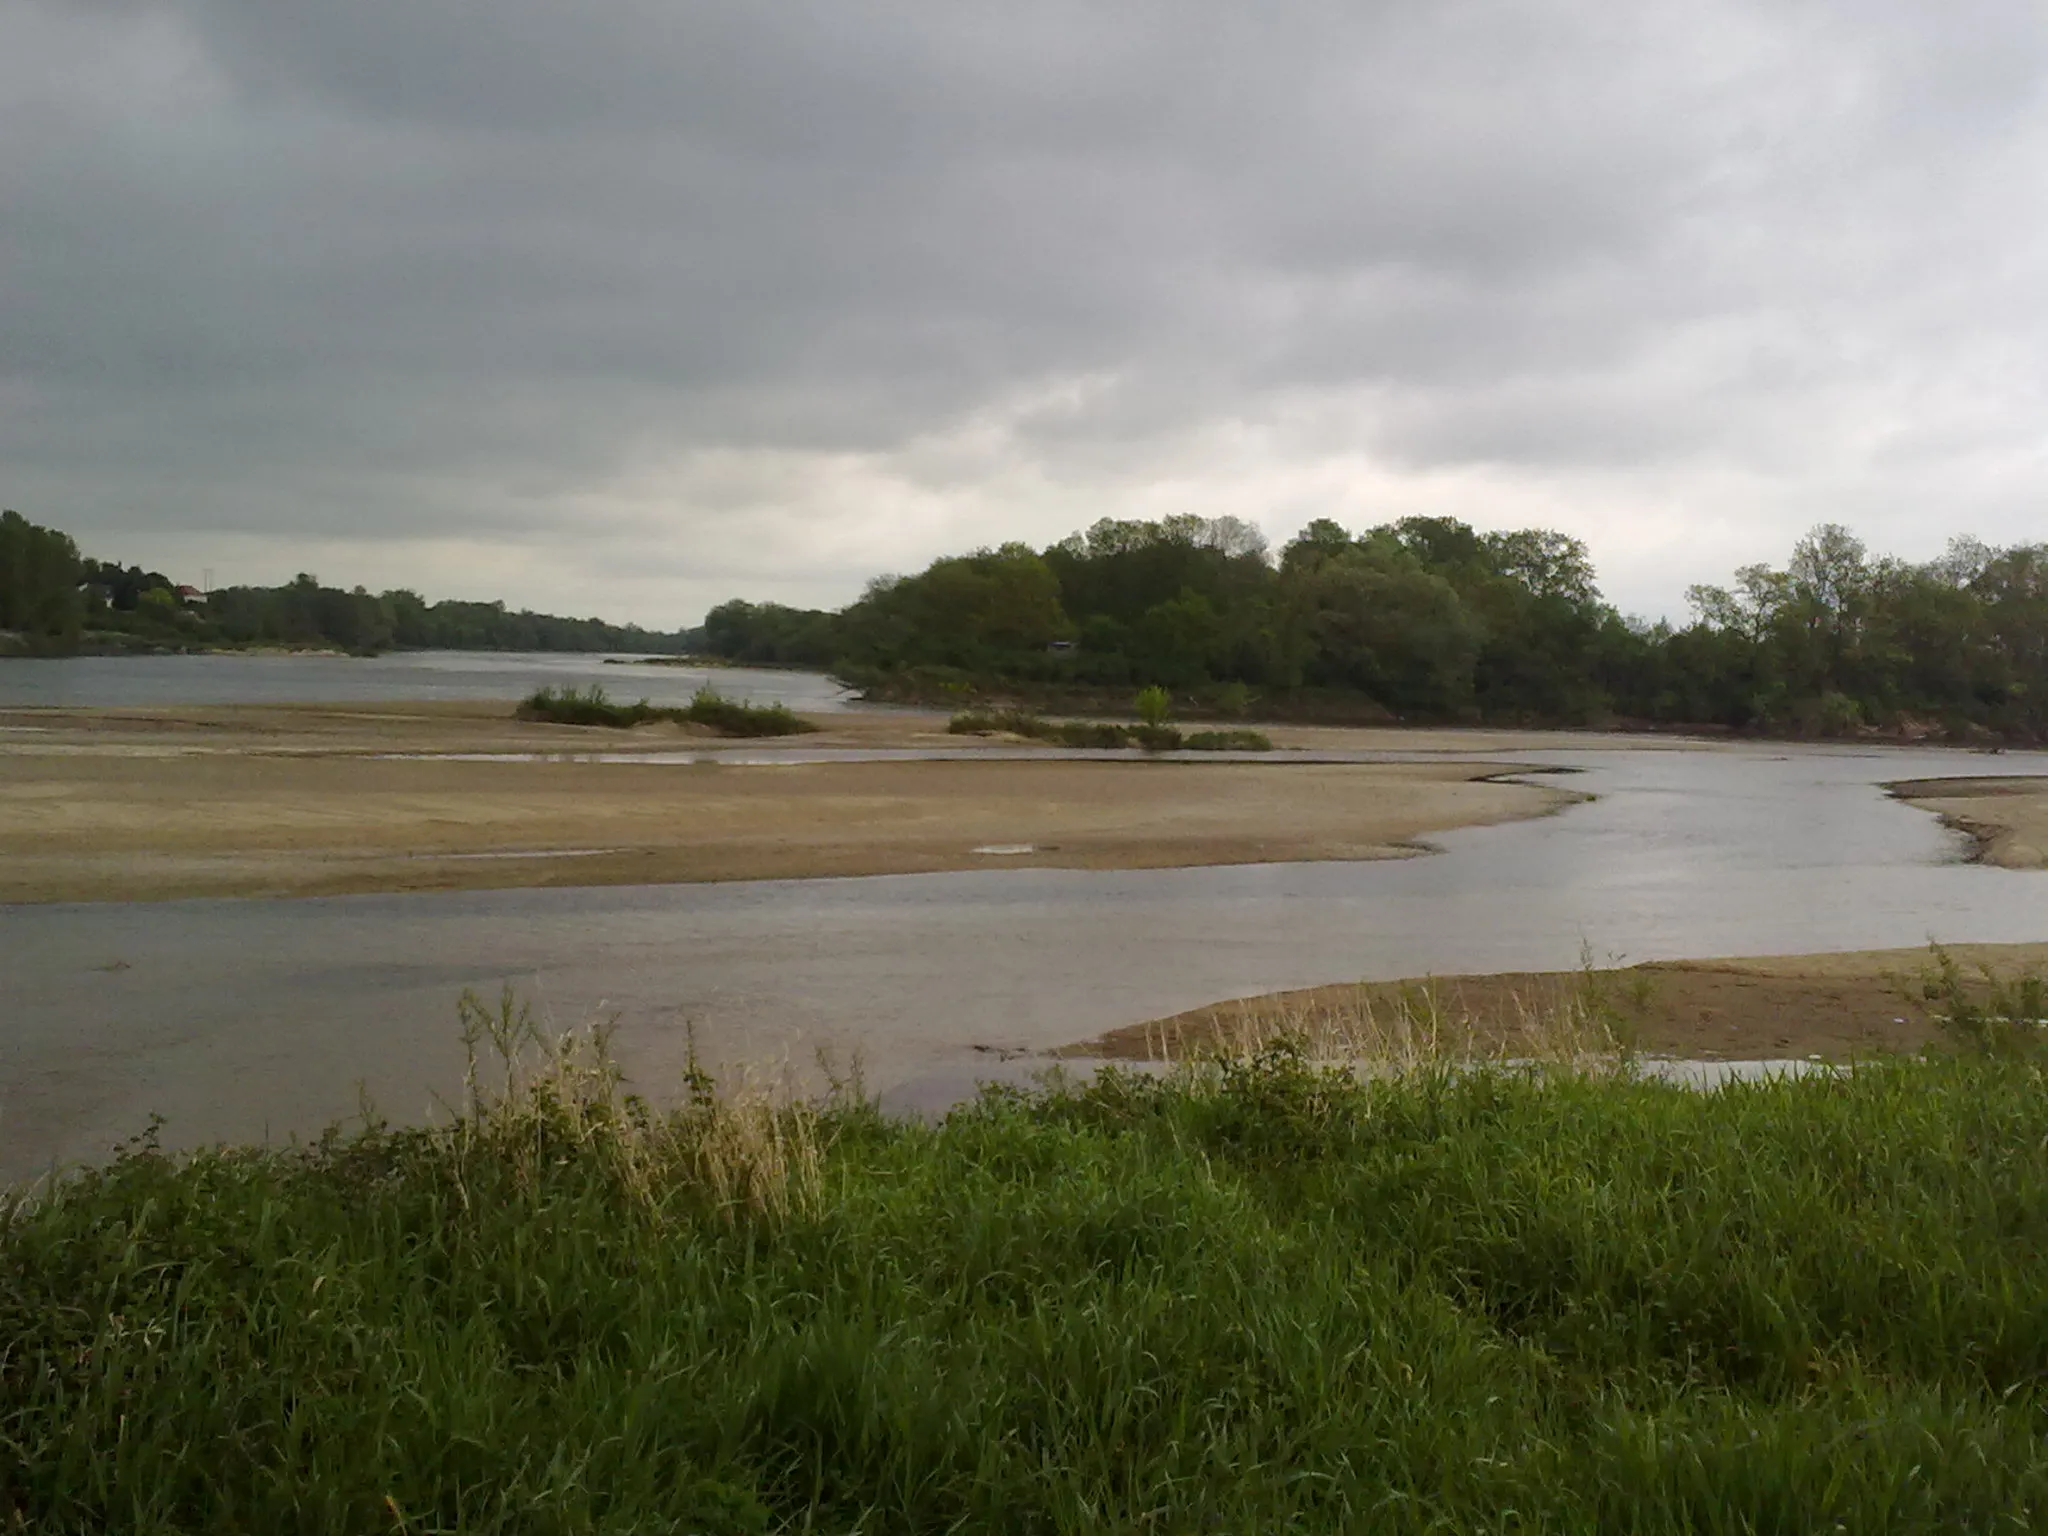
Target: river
{"points": [[247, 1018]]}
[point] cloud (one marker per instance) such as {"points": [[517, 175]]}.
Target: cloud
{"points": [[637, 306]]}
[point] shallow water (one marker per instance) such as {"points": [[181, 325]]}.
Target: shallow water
{"points": [[108, 682], [237, 1018]]}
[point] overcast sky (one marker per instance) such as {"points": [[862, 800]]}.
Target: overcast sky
{"points": [[629, 306]]}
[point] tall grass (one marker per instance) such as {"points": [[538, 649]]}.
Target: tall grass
{"points": [[1262, 1294], [729, 717]]}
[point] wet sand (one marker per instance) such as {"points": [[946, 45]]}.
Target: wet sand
{"points": [[1835, 1007], [267, 800], [2008, 817]]}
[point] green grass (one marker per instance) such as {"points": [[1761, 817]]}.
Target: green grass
{"points": [[729, 717], [1258, 1297]]}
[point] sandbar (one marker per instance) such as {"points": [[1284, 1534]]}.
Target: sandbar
{"points": [[2007, 816], [1829, 1006], [269, 800]]}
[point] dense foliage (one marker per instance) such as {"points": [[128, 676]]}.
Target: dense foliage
{"points": [[59, 602], [1429, 619], [1279, 1301]]}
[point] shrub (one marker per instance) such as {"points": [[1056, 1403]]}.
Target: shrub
{"points": [[730, 717], [1153, 704], [1093, 733], [588, 706]]}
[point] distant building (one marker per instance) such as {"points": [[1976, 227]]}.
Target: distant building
{"points": [[190, 595]]}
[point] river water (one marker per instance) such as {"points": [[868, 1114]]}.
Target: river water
{"points": [[244, 1018], [108, 682]]}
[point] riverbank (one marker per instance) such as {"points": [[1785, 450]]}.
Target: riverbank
{"points": [[153, 804], [2007, 817], [1833, 1007], [1275, 1299]]}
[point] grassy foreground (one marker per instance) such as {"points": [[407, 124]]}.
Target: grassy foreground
{"points": [[1261, 1297]]}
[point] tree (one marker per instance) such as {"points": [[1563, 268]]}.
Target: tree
{"points": [[1380, 623], [39, 581]]}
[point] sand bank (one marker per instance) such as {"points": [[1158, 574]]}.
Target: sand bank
{"points": [[301, 800], [2007, 816], [1834, 1006]]}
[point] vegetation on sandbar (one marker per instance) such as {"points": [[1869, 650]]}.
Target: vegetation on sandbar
{"points": [[1259, 1294], [1152, 733], [728, 717]]}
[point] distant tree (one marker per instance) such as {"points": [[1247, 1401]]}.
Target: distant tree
{"points": [[1319, 542]]}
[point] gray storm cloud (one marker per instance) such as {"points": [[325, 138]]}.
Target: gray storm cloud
{"points": [[633, 306]]}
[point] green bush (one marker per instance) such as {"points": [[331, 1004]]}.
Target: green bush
{"points": [[729, 717], [1153, 704], [589, 706], [1099, 734]]}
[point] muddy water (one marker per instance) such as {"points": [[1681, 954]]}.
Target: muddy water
{"points": [[108, 682], [241, 1018]]}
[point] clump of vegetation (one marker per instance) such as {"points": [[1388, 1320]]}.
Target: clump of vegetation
{"points": [[1156, 738], [1153, 704], [585, 706], [1992, 1015], [729, 717], [1103, 734], [1099, 734], [1013, 722], [1262, 1293], [1228, 741]]}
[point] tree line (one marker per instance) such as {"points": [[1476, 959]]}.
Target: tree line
{"points": [[57, 601], [1428, 619]]}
